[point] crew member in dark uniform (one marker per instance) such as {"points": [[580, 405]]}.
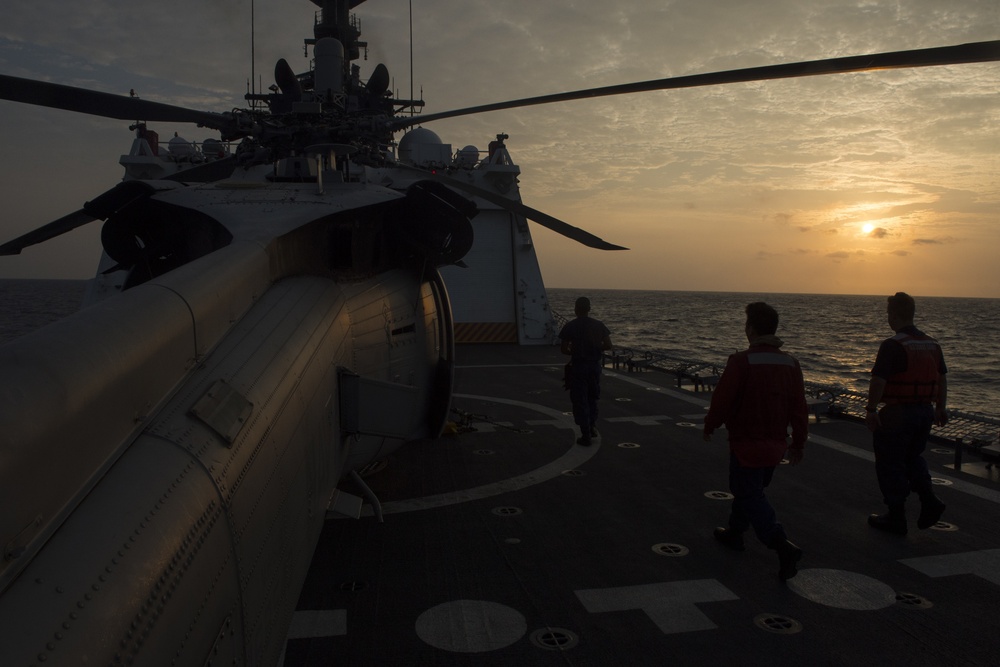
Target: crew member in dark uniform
{"points": [[909, 379], [585, 340]]}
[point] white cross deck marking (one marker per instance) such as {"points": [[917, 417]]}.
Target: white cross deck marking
{"points": [[670, 605], [985, 564]]}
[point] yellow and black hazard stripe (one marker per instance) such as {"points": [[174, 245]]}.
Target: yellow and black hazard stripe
{"points": [[485, 332]]}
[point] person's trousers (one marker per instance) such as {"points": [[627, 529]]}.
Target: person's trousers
{"points": [[584, 390], [899, 445], [750, 505]]}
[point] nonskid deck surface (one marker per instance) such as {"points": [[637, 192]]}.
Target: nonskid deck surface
{"points": [[512, 545]]}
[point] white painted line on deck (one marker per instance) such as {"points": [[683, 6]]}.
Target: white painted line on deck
{"points": [[553, 364], [572, 459], [673, 393], [651, 420], [554, 423], [956, 483], [577, 455], [490, 427]]}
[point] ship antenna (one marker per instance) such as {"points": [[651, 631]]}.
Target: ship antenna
{"points": [[411, 58], [253, 53]]}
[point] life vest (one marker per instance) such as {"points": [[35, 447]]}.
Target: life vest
{"points": [[919, 382]]}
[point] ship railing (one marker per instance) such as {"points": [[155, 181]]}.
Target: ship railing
{"points": [[560, 319], [972, 432], [700, 374], [966, 432]]}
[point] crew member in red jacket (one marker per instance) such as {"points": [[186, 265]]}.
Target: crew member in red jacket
{"points": [[759, 395], [910, 379]]}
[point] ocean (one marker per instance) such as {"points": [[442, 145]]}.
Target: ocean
{"points": [[835, 337], [26, 305]]}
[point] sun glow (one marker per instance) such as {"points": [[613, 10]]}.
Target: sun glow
{"points": [[867, 228]]}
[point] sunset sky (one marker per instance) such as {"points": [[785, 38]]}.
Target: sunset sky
{"points": [[859, 184]]}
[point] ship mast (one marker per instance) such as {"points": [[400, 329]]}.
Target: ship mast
{"points": [[334, 20]]}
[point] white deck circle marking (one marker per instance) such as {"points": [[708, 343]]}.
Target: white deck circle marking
{"points": [[842, 589], [471, 626]]}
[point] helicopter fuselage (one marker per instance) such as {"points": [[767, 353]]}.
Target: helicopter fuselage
{"points": [[196, 425]]}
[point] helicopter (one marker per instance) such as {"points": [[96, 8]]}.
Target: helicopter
{"points": [[267, 321]]}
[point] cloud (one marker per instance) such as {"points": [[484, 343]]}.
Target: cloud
{"points": [[719, 172], [936, 241]]}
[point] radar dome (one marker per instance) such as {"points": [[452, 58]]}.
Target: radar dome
{"points": [[422, 147], [418, 137], [468, 156], [180, 147]]}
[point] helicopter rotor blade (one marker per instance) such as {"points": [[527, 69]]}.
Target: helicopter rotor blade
{"points": [[976, 52], [207, 172], [99, 208], [95, 103], [543, 219], [46, 232]]}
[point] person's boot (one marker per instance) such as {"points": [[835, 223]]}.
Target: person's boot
{"points": [[788, 556], [893, 521], [931, 509], [584, 438], [730, 538]]}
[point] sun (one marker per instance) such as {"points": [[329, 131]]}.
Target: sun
{"points": [[867, 228]]}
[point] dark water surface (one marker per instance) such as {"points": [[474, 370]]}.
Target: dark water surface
{"points": [[26, 305], [835, 337]]}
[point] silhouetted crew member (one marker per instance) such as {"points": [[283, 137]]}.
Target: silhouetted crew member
{"points": [[759, 395], [585, 340], [909, 376]]}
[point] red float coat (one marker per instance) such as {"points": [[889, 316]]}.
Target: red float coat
{"points": [[918, 382], [758, 396]]}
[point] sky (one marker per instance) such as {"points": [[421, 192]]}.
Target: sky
{"points": [[864, 183]]}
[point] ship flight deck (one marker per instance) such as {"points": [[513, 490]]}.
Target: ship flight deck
{"points": [[508, 544]]}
